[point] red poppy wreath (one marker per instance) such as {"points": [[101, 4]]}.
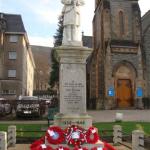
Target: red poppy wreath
{"points": [[92, 136], [55, 135], [80, 148], [62, 148], [75, 135]]}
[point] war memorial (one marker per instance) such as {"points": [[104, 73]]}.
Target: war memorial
{"points": [[72, 124]]}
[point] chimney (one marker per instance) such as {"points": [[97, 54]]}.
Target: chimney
{"points": [[1, 16]]}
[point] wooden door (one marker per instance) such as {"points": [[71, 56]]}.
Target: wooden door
{"points": [[124, 93]]}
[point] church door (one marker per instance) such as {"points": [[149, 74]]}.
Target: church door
{"points": [[124, 93]]}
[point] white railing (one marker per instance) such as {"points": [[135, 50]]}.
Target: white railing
{"points": [[137, 138], [8, 139]]}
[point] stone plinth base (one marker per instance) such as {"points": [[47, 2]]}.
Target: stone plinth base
{"points": [[64, 120], [73, 43]]}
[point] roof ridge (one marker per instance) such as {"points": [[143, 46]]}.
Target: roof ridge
{"points": [[10, 14], [145, 14]]}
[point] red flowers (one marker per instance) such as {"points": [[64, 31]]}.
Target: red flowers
{"points": [[37, 143], [62, 148], [80, 148], [73, 135], [92, 136], [55, 135]]}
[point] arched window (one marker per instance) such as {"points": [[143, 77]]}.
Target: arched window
{"points": [[121, 23]]}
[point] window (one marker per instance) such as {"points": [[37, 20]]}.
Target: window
{"points": [[11, 73], [8, 92], [5, 92], [13, 38], [121, 23], [12, 91], [12, 55]]}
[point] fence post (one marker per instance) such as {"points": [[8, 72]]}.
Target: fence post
{"points": [[11, 136], [117, 134], [137, 140], [3, 140]]}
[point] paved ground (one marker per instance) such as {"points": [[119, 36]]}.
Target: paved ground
{"points": [[101, 116], [128, 115]]}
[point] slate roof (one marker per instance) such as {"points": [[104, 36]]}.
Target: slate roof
{"points": [[145, 21], [87, 41], [14, 23]]}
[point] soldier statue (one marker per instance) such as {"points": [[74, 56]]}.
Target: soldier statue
{"points": [[71, 22]]}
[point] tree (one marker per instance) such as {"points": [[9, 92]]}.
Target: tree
{"points": [[59, 34], [54, 77]]}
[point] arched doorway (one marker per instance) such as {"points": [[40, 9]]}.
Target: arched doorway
{"points": [[124, 75]]}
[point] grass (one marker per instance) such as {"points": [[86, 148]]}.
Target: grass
{"points": [[128, 127], [27, 130]]}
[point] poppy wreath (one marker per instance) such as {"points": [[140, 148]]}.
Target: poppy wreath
{"points": [[80, 148], [55, 135], [75, 135], [37, 143], [62, 148], [92, 136]]}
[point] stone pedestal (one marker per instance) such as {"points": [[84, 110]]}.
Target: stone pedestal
{"points": [[64, 120], [72, 86], [99, 144]]}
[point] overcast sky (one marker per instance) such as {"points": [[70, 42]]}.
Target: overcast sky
{"points": [[40, 17]]}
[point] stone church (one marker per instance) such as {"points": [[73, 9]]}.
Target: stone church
{"points": [[116, 69]]}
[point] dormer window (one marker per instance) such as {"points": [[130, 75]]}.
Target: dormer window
{"points": [[13, 38]]}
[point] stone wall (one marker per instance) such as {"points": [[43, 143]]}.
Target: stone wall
{"points": [[146, 46]]}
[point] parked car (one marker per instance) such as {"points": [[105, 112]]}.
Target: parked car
{"points": [[5, 107], [28, 106]]}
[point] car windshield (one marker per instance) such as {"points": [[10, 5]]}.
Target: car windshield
{"points": [[28, 100]]}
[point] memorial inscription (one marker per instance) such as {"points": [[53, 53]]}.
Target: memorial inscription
{"points": [[73, 87], [73, 95]]}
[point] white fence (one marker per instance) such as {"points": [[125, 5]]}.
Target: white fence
{"points": [[8, 139], [137, 138]]}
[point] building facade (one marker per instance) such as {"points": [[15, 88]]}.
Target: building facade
{"points": [[116, 64], [146, 48], [14, 58], [30, 72]]}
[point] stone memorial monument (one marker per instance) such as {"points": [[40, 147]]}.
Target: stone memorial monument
{"points": [[72, 72]]}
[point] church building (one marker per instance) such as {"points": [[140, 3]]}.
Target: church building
{"points": [[116, 77]]}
